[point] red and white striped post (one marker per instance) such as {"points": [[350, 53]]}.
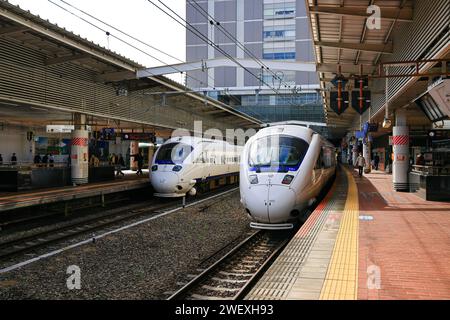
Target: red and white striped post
{"points": [[400, 141], [79, 151]]}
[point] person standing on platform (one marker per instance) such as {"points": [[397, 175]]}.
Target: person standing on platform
{"points": [[120, 164], [360, 163], [13, 159], [1, 160], [376, 161], [37, 159], [51, 160], [45, 160]]}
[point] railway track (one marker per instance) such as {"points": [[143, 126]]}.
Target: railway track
{"points": [[109, 218], [232, 276]]}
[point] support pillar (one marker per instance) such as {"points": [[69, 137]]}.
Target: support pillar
{"points": [[400, 141], [134, 149], [79, 157], [366, 155]]}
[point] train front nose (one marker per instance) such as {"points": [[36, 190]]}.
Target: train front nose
{"points": [[164, 182], [270, 204], [280, 203]]}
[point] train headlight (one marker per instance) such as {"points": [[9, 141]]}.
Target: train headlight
{"points": [[287, 179], [177, 168], [154, 168], [253, 179]]}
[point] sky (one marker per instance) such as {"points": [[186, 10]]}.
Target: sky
{"points": [[138, 18]]}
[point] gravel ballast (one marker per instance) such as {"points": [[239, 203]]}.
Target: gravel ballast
{"points": [[142, 262]]}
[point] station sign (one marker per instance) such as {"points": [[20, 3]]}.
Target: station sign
{"points": [[361, 100], [138, 136], [339, 105], [62, 128]]}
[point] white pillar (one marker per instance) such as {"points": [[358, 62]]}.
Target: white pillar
{"points": [[366, 155], [79, 151], [134, 149], [400, 141]]}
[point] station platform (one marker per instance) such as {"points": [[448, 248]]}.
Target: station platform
{"points": [[16, 200], [364, 241]]}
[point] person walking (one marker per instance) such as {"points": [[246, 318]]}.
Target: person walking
{"points": [[140, 160], [360, 163]]}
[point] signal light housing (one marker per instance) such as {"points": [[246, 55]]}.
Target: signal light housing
{"points": [[253, 179], [287, 179]]}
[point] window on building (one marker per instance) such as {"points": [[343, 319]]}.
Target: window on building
{"points": [[275, 31], [279, 10], [279, 56]]}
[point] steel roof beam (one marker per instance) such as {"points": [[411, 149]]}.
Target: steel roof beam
{"points": [[404, 14], [346, 68], [368, 47]]}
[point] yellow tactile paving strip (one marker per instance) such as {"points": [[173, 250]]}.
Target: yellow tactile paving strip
{"points": [[341, 281]]}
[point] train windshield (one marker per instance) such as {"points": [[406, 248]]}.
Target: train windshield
{"points": [[173, 153], [277, 153]]}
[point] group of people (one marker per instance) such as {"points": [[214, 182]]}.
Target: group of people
{"points": [[118, 162], [13, 160], [47, 159]]}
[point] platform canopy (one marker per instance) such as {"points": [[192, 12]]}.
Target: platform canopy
{"points": [[344, 36], [77, 75]]}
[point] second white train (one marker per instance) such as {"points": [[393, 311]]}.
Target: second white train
{"points": [[282, 172], [183, 164]]}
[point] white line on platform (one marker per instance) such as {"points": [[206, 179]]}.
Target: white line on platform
{"points": [[52, 253]]}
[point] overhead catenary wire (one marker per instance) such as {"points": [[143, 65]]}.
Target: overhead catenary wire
{"points": [[109, 34], [197, 33], [128, 35]]}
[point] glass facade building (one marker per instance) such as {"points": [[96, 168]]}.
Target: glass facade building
{"points": [[270, 30]]}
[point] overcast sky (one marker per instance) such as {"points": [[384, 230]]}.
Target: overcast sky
{"points": [[138, 18]]}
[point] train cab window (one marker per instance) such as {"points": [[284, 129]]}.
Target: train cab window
{"points": [[278, 153], [173, 153]]}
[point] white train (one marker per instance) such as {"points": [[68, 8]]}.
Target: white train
{"points": [[182, 164], [283, 169]]}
